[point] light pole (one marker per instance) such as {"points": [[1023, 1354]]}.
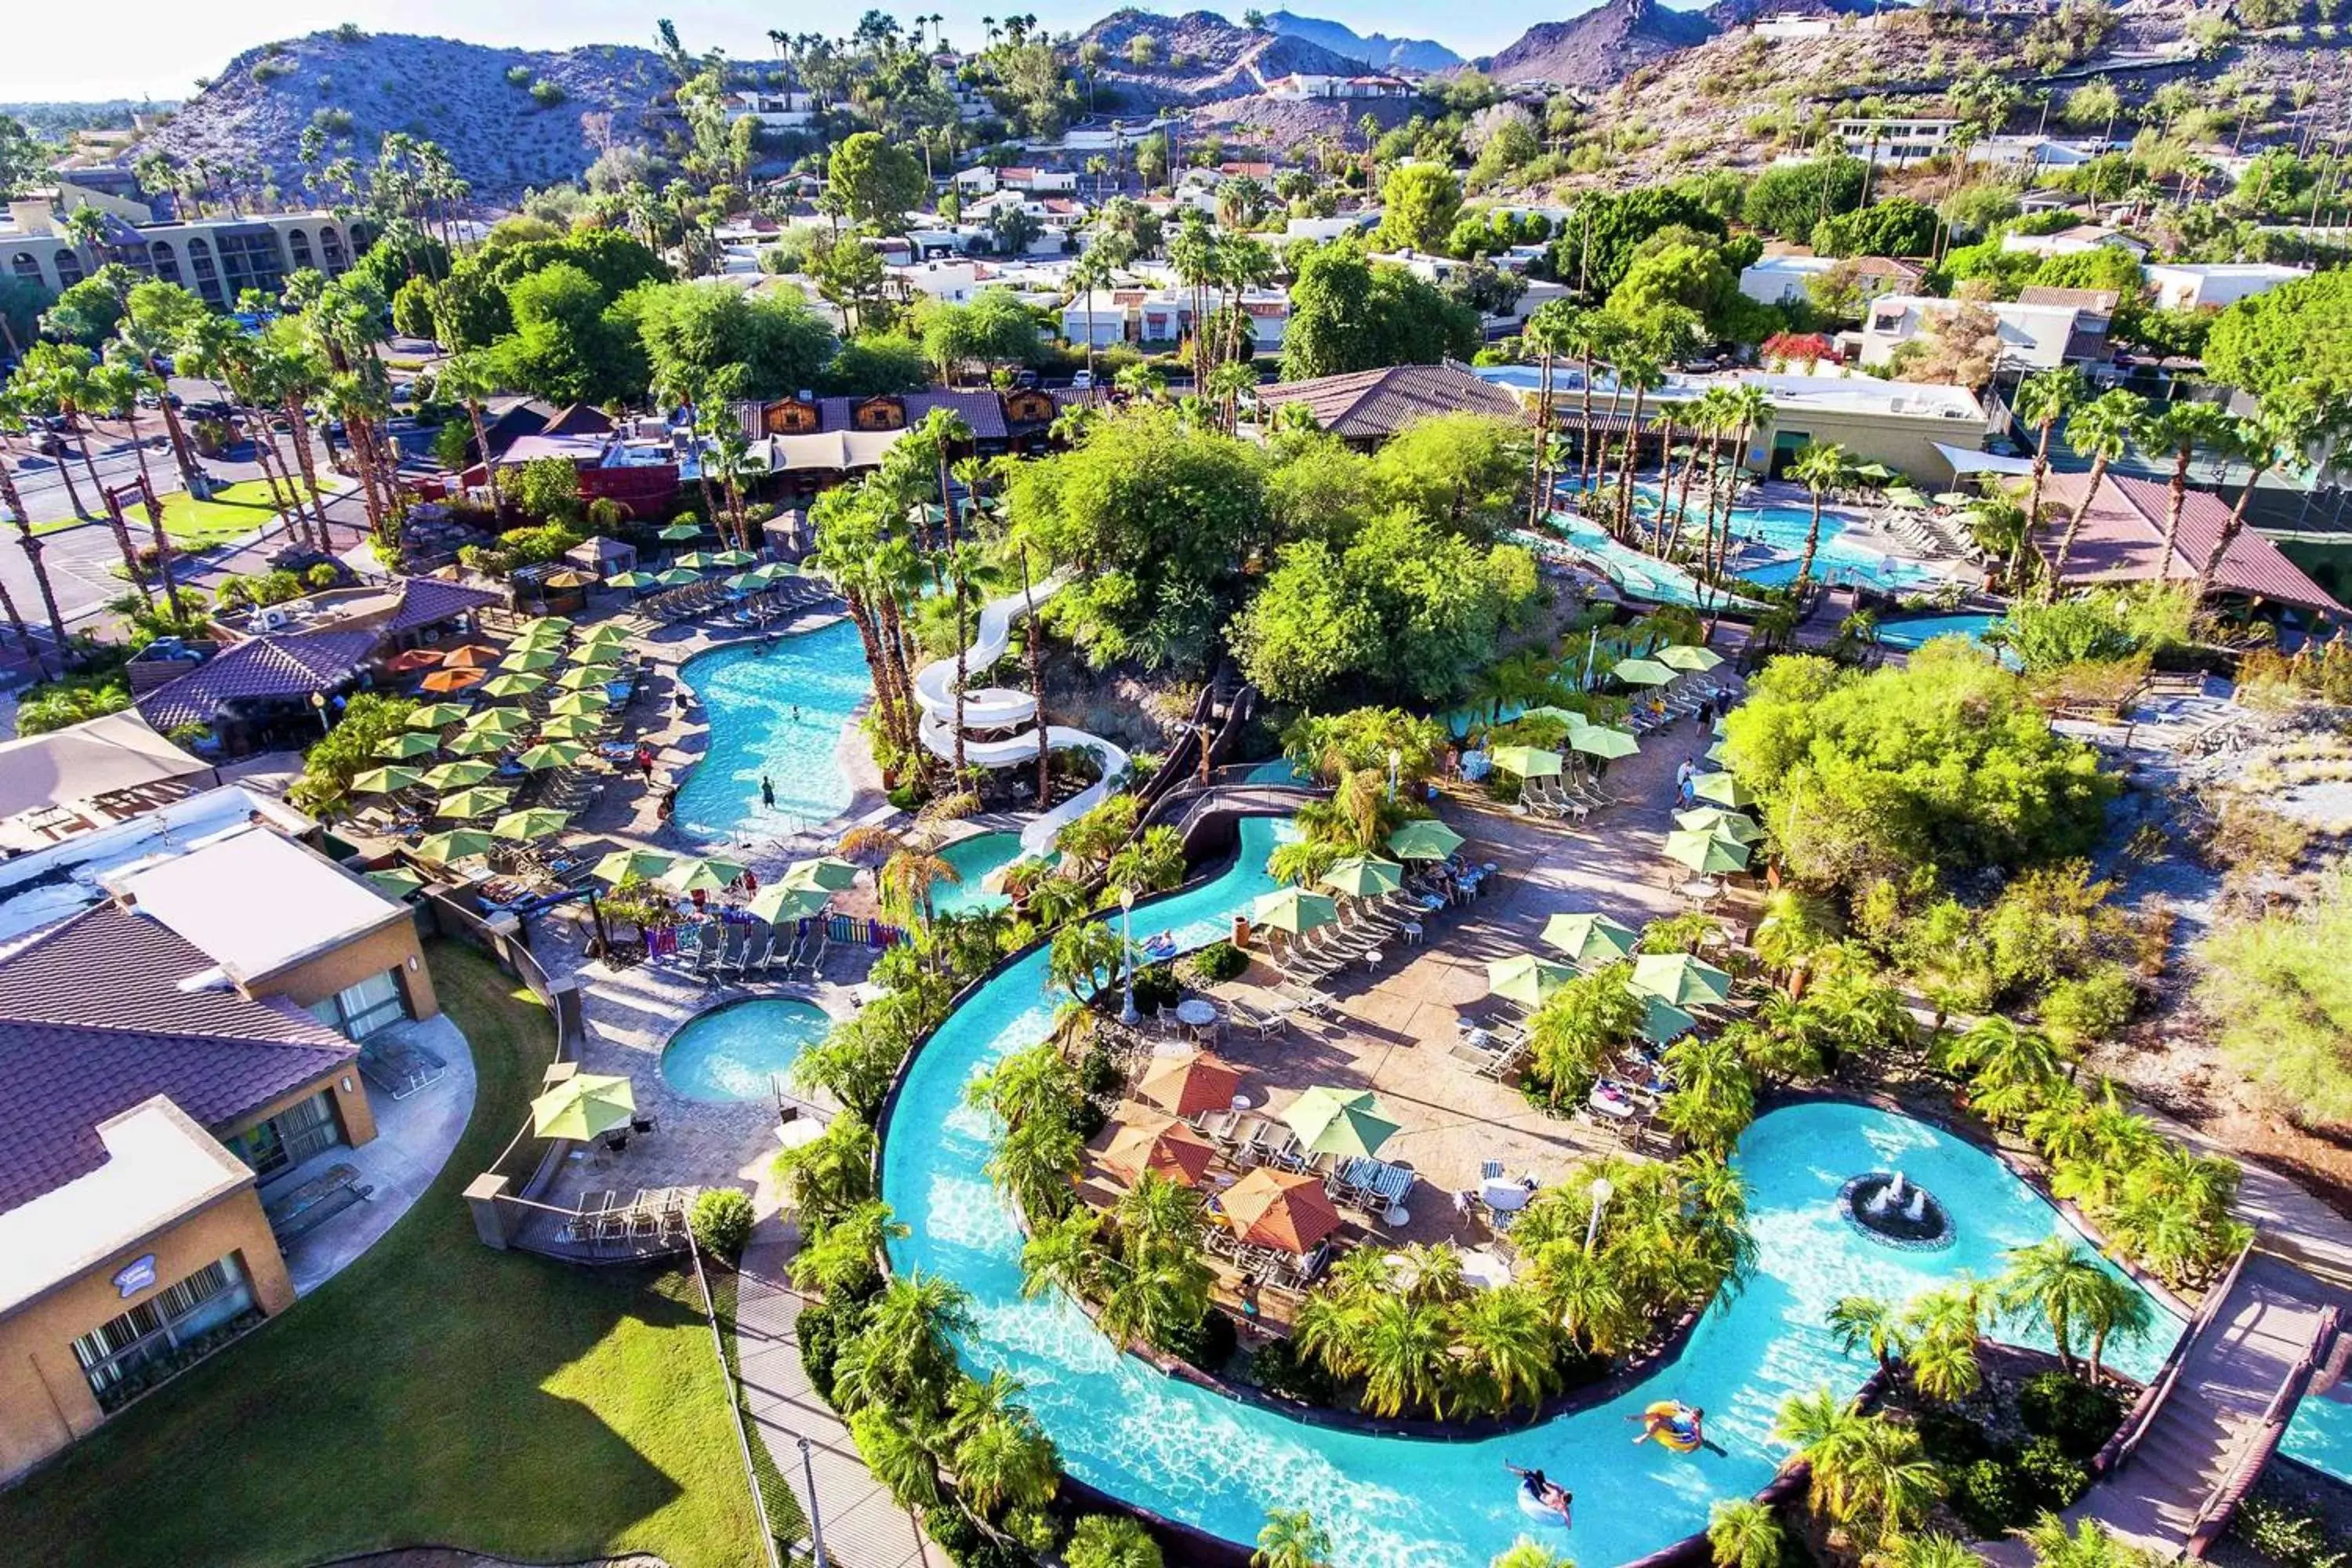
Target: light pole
{"points": [[816, 1525], [1126, 1013], [1601, 1191]]}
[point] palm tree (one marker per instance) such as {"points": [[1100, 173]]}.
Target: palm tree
{"points": [[12, 499], [117, 383], [1546, 337], [1527, 1554], [1291, 1539], [155, 317], [1744, 1534], [1403, 1354], [896, 1451], [1227, 385], [1869, 1322], [1584, 1292], [2115, 1307], [2275, 437], [2088, 1546], [2100, 430], [1639, 368], [1935, 1550], [2042, 401], [1509, 1345], [1092, 270], [1152, 863], [2051, 1283], [1111, 1540], [905, 1356], [65, 379], [1592, 336], [909, 870], [1081, 953], [1818, 466], [1066, 1253], [1001, 1458], [831, 1173], [2186, 427], [1888, 1485], [1944, 1326]]}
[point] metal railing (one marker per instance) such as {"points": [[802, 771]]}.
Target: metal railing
{"points": [[2119, 1448], [735, 1410]]}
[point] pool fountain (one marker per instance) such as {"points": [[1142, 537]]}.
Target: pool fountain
{"points": [[1891, 1210]]}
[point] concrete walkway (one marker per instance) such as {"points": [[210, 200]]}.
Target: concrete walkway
{"points": [[863, 1527]]}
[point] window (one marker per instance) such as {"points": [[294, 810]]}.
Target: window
{"points": [[128, 1354], [164, 262], [208, 284], [290, 1137], [362, 1009], [330, 246], [69, 268], [25, 265], [299, 243]]}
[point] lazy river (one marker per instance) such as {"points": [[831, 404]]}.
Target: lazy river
{"points": [[1220, 1465]]}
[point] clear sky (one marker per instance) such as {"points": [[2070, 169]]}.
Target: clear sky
{"points": [[54, 51]]}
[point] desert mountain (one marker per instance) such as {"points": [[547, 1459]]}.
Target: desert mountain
{"points": [[1379, 48], [1602, 46], [1200, 57]]}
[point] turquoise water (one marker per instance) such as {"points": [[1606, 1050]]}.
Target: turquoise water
{"points": [[1779, 531], [1917, 629], [2321, 1437], [733, 1052], [1277, 772], [750, 694], [1193, 1455], [973, 860]]}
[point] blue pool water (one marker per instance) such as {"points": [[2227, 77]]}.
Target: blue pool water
{"points": [[2321, 1437], [973, 860], [749, 694], [1277, 772], [1773, 541], [1915, 630], [733, 1052], [1193, 1455]]}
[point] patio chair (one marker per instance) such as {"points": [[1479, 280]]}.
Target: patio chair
{"points": [[1267, 1025]]}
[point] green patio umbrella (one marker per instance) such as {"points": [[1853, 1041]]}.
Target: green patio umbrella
{"points": [[1684, 981], [745, 582], [1718, 729], [466, 804], [1424, 838], [1527, 761], [1589, 939], [438, 715], [396, 881], [634, 582], [552, 754], [712, 875], [537, 822], [593, 699], [1641, 672], [1708, 854], [1363, 877], [477, 742], [531, 659], [1955, 498], [410, 744], [1877, 472], [736, 558], [458, 844], [622, 865], [584, 1106], [1575, 721], [385, 781], [499, 722], [1688, 657], [512, 684], [1525, 979], [604, 633], [679, 577], [1904, 497], [459, 776], [586, 674], [1723, 824], [569, 727], [1341, 1121], [1294, 910], [679, 531], [697, 561], [775, 571], [1715, 754], [1661, 1021], [545, 627], [781, 901], [1724, 790], [1600, 741], [536, 642], [827, 873]]}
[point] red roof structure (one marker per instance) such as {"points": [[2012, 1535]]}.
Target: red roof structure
{"points": [[2121, 540], [1374, 405]]}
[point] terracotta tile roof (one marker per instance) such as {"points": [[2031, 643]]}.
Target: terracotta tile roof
{"points": [[2101, 301], [983, 411], [1374, 404], [94, 1020], [1888, 267], [265, 667], [2121, 540]]}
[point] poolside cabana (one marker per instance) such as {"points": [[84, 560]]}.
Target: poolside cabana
{"points": [[1162, 1146], [1279, 1209]]}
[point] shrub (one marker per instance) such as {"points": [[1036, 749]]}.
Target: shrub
{"points": [[1219, 960], [1155, 987], [547, 94], [722, 1222], [518, 76], [2286, 1536], [2084, 1009], [321, 577], [1989, 1500], [1207, 1344], [2052, 1475], [1111, 1540], [1281, 1370], [266, 71], [1950, 1439], [824, 1327], [1100, 1073], [2077, 1416]]}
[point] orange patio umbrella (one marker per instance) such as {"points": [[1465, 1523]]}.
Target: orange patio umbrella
{"points": [[414, 659], [1161, 1145], [1280, 1209], [454, 679], [473, 656], [1190, 1085]]}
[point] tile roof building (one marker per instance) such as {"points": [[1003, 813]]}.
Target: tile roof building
{"points": [[1373, 406], [264, 670], [2121, 540]]}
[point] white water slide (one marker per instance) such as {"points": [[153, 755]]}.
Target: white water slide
{"points": [[995, 708]]}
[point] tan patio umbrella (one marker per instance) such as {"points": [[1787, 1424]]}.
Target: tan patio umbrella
{"points": [[448, 681], [1161, 1145], [473, 656], [1188, 1085], [1280, 1209]]}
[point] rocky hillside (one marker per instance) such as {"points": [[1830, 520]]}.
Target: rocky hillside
{"points": [[1200, 57], [1382, 51], [486, 107], [1602, 46]]}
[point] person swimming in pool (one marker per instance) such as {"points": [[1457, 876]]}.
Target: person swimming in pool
{"points": [[1544, 1490], [1681, 1426]]}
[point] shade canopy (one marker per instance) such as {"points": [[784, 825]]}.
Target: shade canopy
{"points": [[1525, 979], [1679, 978], [699, 560], [1724, 790], [395, 881], [569, 577], [604, 635], [385, 781], [536, 823], [679, 577], [458, 844], [532, 658], [1188, 1085], [1641, 672], [632, 581], [545, 627], [445, 681], [587, 675], [584, 1106], [512, 683], [1280, 1209], [1342, 1121], [1661, 1021], [472, 655], [458, 775], [1907, 499], [1600, 741], [829, 872], [713, 875], [410, 744], [1589, 939], [470, 803], [1161, 1145], [1707, 853], [623, 865], [594, 700], [569, 727], [438, 715], [1723, 824], [1363, 877], [475, 743], [735, 558], [781, 901], [501, 721], [1293, 909], [412, 661], [1688, 657], [1574, 720], [1527, 761], [552, 754], [1424, 838], [679, 531]]}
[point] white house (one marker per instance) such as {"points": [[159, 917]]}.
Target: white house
{"points": [[1038, 181], [1785, 279], [2185, 287], [1896, 141], [980, 179], [2075, 241], [1322, 228], [777, 110], [1789, 27], [2032, 152], [2032, 336]]}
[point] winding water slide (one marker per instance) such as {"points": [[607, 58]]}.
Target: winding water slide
{"points": [[993, 708]]}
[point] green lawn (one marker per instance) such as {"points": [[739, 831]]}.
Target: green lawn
{"points": [[234, 511], [433, 1392]]}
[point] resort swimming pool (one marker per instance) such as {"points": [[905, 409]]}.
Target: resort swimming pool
{"points": [[734, 1052], [776, 710], [1916, 630], [975, 859], [1215, 1463]]}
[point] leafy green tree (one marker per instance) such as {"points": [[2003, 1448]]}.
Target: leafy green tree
{"points": [[1418, 204], [871, 179], [1867, 1323], [1597, 241], [569, 345], [1897, 227], [369, 720], [1744, 1534], [1111, 1540], [1788, 199], [2298, 335], [1291, 1539], [692, 334], [874, 363], [24, 158], [1349, 314]]}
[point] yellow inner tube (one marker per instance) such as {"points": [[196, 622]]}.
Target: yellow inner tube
{"points": [[1680, 1440]]}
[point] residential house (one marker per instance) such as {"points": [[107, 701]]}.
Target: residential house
{"points": [[2094, 315], [2032, 337], [2182, 286], [1366, 408], [1895, 141], [2075, 241], [1785, 279], [1039, 182], [774, 109], [2033, 153]]}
